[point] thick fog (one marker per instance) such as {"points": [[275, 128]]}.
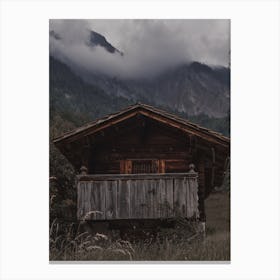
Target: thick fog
{"points": [[149, 46]]}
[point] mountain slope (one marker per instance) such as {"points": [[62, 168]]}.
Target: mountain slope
{"points": [[193, 88], [190, 88], [74, 100]]}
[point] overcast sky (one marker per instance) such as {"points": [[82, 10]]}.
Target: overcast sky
{"points": [[149, 46]]}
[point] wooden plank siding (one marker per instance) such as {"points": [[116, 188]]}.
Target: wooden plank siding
{"points": [[132, 196], [144, 139]]}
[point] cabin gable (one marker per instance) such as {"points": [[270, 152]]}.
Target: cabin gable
{"points": [[143, 142]]}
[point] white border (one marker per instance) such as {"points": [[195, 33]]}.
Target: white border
{"points": [[255, 138]]}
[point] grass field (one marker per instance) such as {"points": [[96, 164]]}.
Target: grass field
{"points": [[168, 245]]}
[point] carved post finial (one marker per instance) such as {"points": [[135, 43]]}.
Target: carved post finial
{"points": [[191, 168], [83, 170]]}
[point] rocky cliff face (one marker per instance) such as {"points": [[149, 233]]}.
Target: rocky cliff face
{"points": [[195, 89], [96, 39], [192, 88]]}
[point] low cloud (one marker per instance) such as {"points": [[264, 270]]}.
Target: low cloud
{"points": [[149, 46]]}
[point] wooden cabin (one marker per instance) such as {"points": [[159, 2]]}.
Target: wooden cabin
{"points": [[144, 163]]}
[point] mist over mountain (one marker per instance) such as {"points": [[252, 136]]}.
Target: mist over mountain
{"points": [[74, 102], [159, 71], [150, 47]]}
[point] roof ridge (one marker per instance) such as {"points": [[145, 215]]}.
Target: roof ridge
{"points": [[149, 108]]}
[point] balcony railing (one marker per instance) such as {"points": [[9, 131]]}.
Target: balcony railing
{"points": [[137, 196]]}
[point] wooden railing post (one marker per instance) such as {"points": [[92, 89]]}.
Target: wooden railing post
{"points": [[83, 170], [191, 168], [200, 228]]}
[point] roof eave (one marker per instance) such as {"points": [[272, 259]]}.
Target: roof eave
{"points": [[189, 127]]}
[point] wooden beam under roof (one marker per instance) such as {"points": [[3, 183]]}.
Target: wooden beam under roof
{"points": [[175, 122]]}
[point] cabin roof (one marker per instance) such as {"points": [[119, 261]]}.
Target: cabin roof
{"points": [[149, 111]]}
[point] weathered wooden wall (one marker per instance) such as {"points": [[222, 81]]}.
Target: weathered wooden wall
{"points": [[144, 139], [150, 196]]}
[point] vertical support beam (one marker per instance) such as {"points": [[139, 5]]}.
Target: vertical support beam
{"points": [[161, 166], [201, 190], [125, 166], [192, 194], [86, 149], [213, 166], [122, 166], [128, 167], [193, 148], [190, 144], [202, 218]]}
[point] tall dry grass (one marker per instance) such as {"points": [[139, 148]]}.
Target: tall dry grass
{"points": [[72, 245], [67, 243], [168, 245]]}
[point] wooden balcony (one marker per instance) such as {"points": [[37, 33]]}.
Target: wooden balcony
{"points": [[137, 196]]}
